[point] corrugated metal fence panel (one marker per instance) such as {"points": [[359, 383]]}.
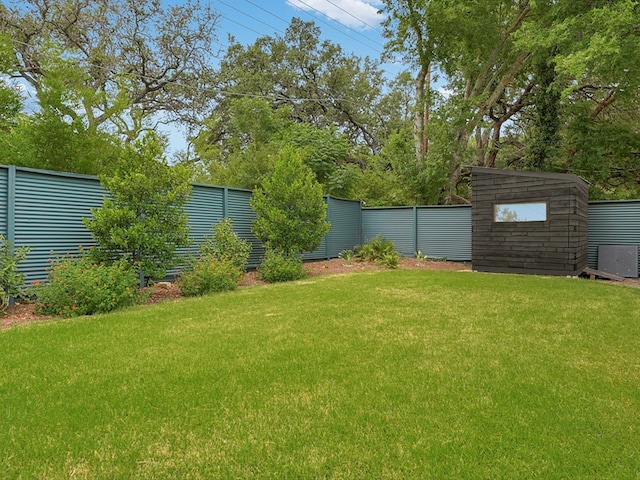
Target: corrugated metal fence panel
{"points": [[204, 209], [445, 232], [4, 191], [346, 228], [242, 215], [397, 224], [612, 223], [48, 216], [320, 252]]}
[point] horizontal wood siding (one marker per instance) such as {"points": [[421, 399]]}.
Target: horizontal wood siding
{"points": [[556, 246]]}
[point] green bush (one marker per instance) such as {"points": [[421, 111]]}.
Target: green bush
{"points": [[278, 267], [143, 220], [380, 251], [290, 210], [76, 286], [11, 280], [347, 256], [226, 245], [208, 275]]}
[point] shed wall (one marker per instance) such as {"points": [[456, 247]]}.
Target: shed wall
{"points": [[555, 246]]}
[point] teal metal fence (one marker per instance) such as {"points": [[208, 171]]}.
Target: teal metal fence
{"points": [[435, 231], [612, 223], [43, 210]]}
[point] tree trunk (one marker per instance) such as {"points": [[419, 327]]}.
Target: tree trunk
{"points": [[421, 118]]}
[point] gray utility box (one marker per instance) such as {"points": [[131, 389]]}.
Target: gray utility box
{"points": [[619, 259]]}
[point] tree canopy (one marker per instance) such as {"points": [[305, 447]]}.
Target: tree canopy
{"points": [[550, 85], [545, 85]]}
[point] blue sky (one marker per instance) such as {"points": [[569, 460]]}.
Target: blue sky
{"points": [[353, 24]]}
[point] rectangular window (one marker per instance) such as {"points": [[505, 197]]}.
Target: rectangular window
{"points": [[520, 212]]}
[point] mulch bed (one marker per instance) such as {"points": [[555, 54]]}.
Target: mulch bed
{"points": [[165, 291]]}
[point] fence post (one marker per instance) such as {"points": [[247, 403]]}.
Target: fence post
{"points": [[415, 229], [225, 202], [11, 214], [11, 206], [328, 235]]}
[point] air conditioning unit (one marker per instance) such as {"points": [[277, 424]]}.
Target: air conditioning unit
{"points": [[619, 259]]}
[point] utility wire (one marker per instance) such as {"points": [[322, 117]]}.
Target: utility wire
{"points": [[320, 19], [267, 11], [250, 16], [353, 16]]}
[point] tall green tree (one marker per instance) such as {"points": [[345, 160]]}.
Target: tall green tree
{"points": [[256, 134], [408, 27], [498, 109], [316, 80], [44, 140]]}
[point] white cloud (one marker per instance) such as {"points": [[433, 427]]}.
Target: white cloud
{"points": [[351, 13]]}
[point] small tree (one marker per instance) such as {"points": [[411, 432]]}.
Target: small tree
{"points": [[11, 280], [143, 220], [290, 211]]}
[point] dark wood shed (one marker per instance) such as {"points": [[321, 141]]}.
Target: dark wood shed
{"points": [[528, 222]]}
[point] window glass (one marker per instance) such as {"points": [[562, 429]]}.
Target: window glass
{"points": [[520, 212]]}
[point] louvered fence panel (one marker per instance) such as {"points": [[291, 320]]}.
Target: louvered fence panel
{"points": [[445, 232], [612, 223], [49, 208], [396, 224]]}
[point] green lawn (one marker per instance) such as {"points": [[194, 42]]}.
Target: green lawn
{"points": [[393, 374]]}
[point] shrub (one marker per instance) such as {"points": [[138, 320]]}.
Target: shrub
{"points": [[290, 210], [278, 267], [347, 256], [76, 286], [226, 245], [143, 220], [11, 280], [208, 275], [380, 251]]}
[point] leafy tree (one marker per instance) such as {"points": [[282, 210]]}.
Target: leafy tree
{"points": [[10, 99], [320, 84], [256, 134], [503, 108], [246, 155], [43, 140], [143, 220], [411, 37], [543, 148], [112, 65], [290, 211]]}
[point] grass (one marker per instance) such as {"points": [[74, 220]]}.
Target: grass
{"points": [[392, 374]]}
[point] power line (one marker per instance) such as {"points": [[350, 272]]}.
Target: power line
{"points": [[352, 15], [267, 11], [339, 31], [250, 16]]}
